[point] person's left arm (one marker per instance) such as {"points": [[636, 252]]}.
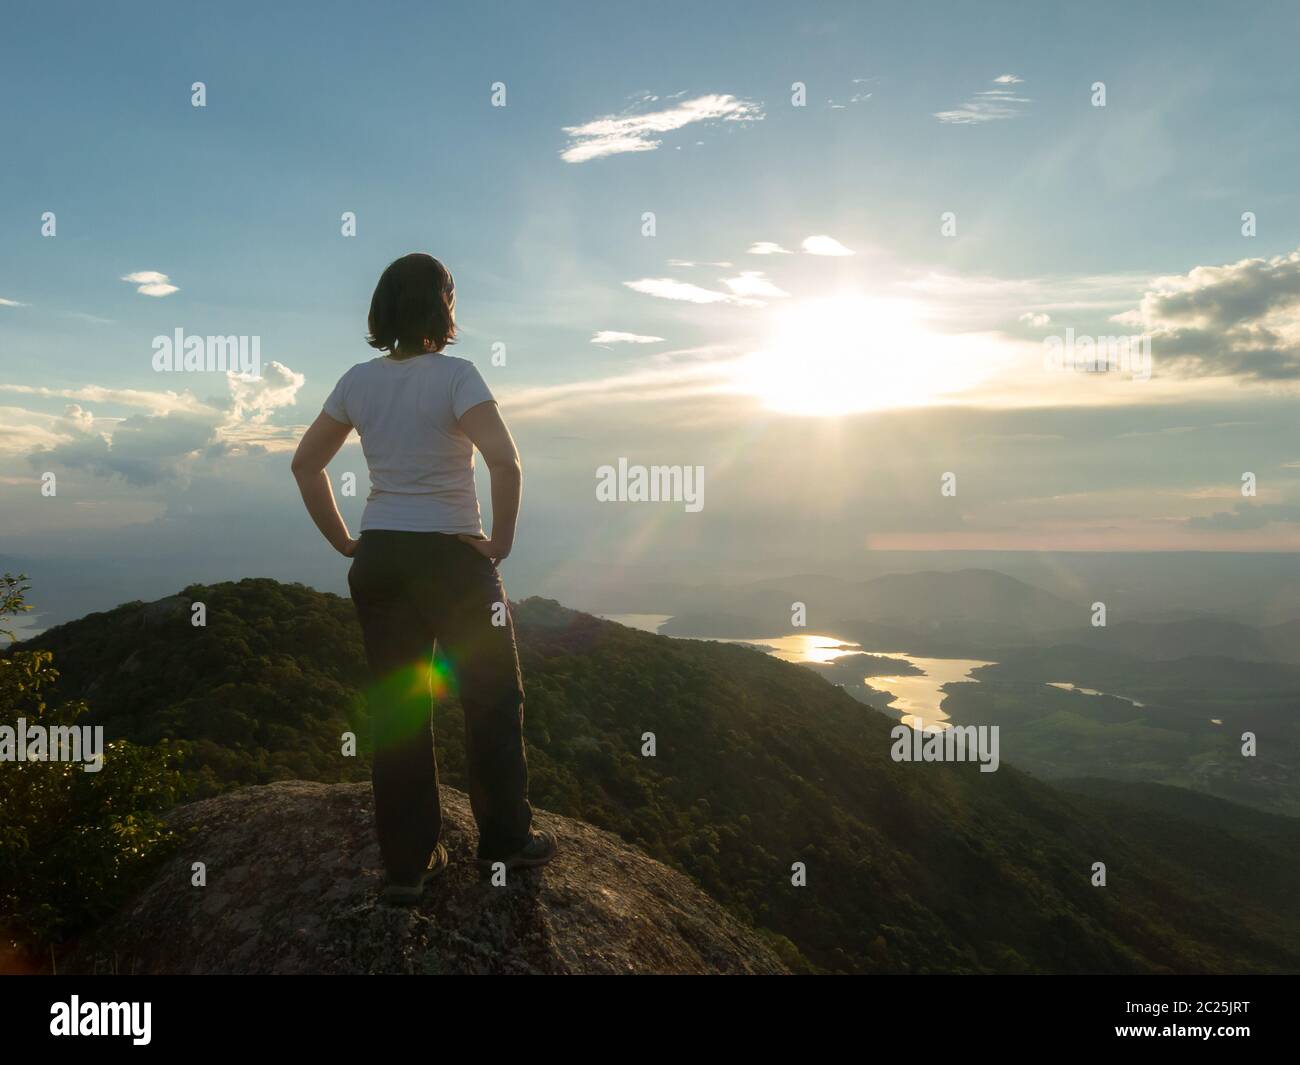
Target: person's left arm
{"points": [[318, 446], [487, 431]]}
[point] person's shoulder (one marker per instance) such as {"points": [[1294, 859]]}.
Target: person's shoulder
{"points": [[360, 369], [458, 365], [460, 373], [465, 385]]}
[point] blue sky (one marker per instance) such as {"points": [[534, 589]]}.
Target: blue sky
{"points": [[824, 393]]}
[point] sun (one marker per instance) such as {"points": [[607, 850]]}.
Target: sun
{"points": [[847, 354]]}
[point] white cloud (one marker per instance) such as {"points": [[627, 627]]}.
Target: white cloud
{"points": [[988, 105], [860, 95], [752, 283], [144, 449], [1240, 319], [164, 441], [613, 336], [1036, 320], [254, 398], [78, 420], [670, 382], [155, 402], [767, 247], [667, 288], [976, 301], [22, 430], [1245, 516], [151, 283], [824, 245], [615, 134]]}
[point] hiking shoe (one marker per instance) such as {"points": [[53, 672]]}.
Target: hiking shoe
{"points": [[539, 850], [395, 894]]}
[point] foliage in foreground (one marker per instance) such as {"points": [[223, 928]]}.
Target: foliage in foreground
{"points": [[73, 844]]}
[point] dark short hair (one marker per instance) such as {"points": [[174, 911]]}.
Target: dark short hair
{"points": [[414, 301]]}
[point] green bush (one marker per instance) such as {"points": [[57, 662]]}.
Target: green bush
{"points": [[73, 844]]}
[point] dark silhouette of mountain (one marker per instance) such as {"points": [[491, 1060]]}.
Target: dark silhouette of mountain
{"points": [[292, 873], [965, 613], [1188, 637], [911, 867], [726, 626], [1283, 641], [981, 601], [978, 596]]}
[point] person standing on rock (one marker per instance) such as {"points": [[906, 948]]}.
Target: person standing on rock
{"points": [[424, 574]]}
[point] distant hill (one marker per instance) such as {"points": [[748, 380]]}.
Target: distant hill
{"points": [[1258, 588], [968, 596], [1187, 731], [1199, 636], [965, 613], [927, 601], [1283, 640], [759, 764], [725, 626]]}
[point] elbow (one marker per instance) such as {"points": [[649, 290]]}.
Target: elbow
{"points": [[510, 468], [505, 465], [302, 468]]}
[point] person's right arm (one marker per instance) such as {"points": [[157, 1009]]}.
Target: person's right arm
{"points": [[318, 446], [484, 426]]}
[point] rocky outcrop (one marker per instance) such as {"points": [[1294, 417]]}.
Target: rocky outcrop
{"points": [[293, 878]]}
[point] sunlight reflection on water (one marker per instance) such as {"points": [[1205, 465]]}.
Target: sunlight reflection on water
{"points": [[916, 698]]}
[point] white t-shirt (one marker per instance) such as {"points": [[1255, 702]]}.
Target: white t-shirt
{"points": [[421, 463]]}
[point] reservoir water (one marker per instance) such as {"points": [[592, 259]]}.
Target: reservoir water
{"points": [[1065, 686], [916, 697]]}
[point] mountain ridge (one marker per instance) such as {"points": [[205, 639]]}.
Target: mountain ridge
{"points": [[759, 763]]}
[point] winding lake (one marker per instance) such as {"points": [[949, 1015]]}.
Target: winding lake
{"points": [[916, 698], [920, 698]]}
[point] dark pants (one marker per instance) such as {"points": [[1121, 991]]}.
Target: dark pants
{"points": [[412, 590]]}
